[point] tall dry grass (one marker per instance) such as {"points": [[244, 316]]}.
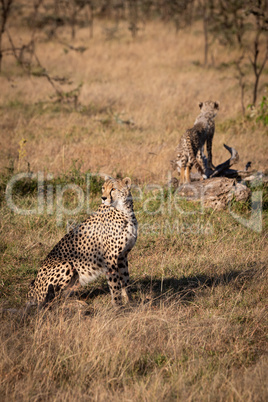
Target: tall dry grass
{"points": [[197, 328], [154, 81], [165, 350]]}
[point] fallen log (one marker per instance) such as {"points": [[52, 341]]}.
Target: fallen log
{"points": [[223, 169], [216, 192], [222, 186], [225, 166]]}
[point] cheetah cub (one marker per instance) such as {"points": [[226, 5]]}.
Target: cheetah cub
{"points": [[191, 145], [99, 245]]}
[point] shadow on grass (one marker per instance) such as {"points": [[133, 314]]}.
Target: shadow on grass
{"points": [[154, 290], [184, 288]]}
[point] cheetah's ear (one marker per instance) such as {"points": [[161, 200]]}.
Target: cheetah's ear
{"points": [[217, 105], [200, 104], [127, 182]]}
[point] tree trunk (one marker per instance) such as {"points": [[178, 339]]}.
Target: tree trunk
{"points": [[255, 92], [1, 54], [205, 26], [5, 10]]}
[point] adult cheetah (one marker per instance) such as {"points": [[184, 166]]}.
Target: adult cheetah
{"points": [[191, 145], [99, 245]]}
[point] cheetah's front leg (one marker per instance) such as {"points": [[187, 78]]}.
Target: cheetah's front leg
{"points": [[113, 280], [124, 277]]}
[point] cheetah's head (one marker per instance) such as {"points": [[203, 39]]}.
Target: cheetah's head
{"points": [[210, 107], [116, 193]]}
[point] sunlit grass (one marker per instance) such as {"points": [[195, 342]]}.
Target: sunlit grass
{"points": [[197, 326]]}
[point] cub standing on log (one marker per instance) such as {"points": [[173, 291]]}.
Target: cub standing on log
{"points": [[194, 140]]}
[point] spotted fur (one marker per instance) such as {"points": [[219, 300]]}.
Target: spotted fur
{"points": [[190, 151], [99, 245]]}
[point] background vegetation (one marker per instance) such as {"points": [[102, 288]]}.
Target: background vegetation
{"points": [[109, 87]]}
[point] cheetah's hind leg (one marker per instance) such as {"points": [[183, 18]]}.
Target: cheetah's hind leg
{"points": [[187, 175], [49, 296], [182, 174], [72, 286], [59, 289]]}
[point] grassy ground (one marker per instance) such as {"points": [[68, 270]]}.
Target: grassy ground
{"points": [[197, 327], [154, 82]]}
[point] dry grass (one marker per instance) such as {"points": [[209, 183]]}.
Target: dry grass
{"points": [[209, 349], [197, 327], [153, 81]]}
